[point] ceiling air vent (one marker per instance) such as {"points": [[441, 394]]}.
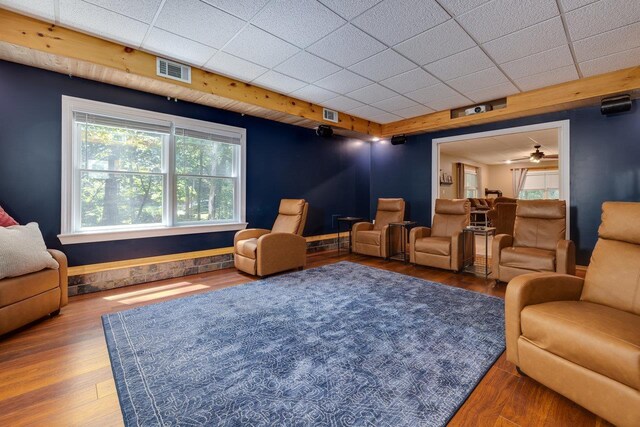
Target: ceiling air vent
{"points": [[330, 115], [173, 70]]}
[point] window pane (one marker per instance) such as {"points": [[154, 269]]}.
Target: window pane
{"points": [[553, 193], [471, 193], [200, 156], [471, 180], [532, 194], [534, 181], [119, 149], [116, 199], [205, 199]]}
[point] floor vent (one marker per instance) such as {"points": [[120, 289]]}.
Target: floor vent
{"points": [[330, 115], [173, 70]]}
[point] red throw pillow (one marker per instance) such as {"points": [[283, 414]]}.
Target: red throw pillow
{"points": [[5, 219]]}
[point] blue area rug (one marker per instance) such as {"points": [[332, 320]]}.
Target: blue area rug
{"points": [[339, 345]]}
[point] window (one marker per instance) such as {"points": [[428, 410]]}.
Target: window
{"points": [[540, 185], [470, 181], [131, 173]]}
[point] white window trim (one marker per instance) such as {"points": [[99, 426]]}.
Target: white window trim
{"points": [[544, 173], [69, 236]]}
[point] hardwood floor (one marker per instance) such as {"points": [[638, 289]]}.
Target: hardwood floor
{"points": [[56, 372]]}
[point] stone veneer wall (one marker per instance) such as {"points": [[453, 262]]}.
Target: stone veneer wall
{"points": [[117, 278]]}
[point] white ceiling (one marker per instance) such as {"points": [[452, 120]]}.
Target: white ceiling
{"points": [[498, 149], [382, 60]]}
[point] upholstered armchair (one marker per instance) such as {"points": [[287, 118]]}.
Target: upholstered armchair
{"points": [[538, 242], [581, 337], [503, 215], [371, 239], [263, 252], [441, 245]]}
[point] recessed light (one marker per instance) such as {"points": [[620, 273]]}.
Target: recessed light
{"points": [[375, 139]]}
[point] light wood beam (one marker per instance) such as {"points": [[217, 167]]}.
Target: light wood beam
{"points": [[23, 31], [563, 96]]}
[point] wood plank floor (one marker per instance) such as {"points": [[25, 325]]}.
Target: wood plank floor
{"points": [[56, 372]]}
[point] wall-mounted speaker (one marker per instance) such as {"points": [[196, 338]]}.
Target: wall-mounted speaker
{"points": [[615, 104], [324, 131], [398, 139]]}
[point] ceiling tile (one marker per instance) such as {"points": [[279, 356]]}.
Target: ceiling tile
{"points": [[414, 111], [307, 67], [43, 9], [540, 62], [343, 81], [235, 67], [243, 9], [314, 94], [398, 102], [616, 61], [141, 10], [601, 16], [278, 82], [101, 22], [372, 93], [492, 92], [300, 22], [346, 46], [568, 5], [260, 47], [455, 101], [349, 9], [385, 118], [432, 93], [537, 38], [178, 48], [613, 41], [458, 7], [548, 78], [437, 43], [192, 19], [366, 112], [460, 64], [478, 80], [500, 17], [410, 81], [393, 21], [342, 103], [383, 65]]}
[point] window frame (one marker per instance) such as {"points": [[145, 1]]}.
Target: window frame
{"points": [[545, 191], [70, 185], [471, 170]]}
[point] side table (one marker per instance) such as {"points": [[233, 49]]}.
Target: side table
{"points": [[349, 221], [405, 229], [468, 262]]}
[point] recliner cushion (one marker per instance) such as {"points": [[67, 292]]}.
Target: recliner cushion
{"points": [[15, 289], [434, 245], [247, 248], [528, 259], [596, 337], [369, 237]]}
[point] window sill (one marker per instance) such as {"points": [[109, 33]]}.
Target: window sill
{"points": [[106, 236]]}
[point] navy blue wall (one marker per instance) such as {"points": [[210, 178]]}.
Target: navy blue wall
{"points": [[604, 162], [283, 161]]}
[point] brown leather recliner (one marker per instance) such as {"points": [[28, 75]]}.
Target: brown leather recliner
{"points": [[581, 337], [441, 245], [371, 239], [502, 215], [30, 297], [262, 252], [538, 242]]}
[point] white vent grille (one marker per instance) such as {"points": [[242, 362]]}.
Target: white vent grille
{"points": [[173, 70], [330, 115]]}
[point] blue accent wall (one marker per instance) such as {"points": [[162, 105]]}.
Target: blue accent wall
{"points": [[604, 163], [283, 161]]}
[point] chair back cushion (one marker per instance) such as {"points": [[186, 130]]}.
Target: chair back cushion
{"points": [[389, 210], [292, 216], [540, 224], [451, 216], [613, 276]]}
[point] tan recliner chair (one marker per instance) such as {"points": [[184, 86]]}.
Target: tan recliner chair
{"points": [[30, 297], [538, 242], [371, 239], [581, 337], [263, 252], [441, 245]]}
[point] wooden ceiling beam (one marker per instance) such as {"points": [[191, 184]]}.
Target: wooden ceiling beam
{"points": [[23, 31], [563, 96]]}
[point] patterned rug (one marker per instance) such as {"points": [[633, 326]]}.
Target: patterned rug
{"points": [[339, 345]]}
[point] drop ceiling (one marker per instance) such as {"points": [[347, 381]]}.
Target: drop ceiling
{"points": [[379, 60]]}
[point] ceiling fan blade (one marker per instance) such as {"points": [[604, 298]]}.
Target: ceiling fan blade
{"points": [[551, 156], [522, 159]]}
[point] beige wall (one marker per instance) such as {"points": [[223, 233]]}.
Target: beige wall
{"points": [[499, 176], [447, 164]]}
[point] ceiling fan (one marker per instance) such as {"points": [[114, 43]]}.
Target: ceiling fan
{"points": [[537, 156]]}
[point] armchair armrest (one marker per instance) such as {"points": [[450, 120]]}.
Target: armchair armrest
{"points": [[415, 234], [531, 289], [500, 242], [279, 252], [63, 279], [566, 257], [249, 233], [361, 226]]}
